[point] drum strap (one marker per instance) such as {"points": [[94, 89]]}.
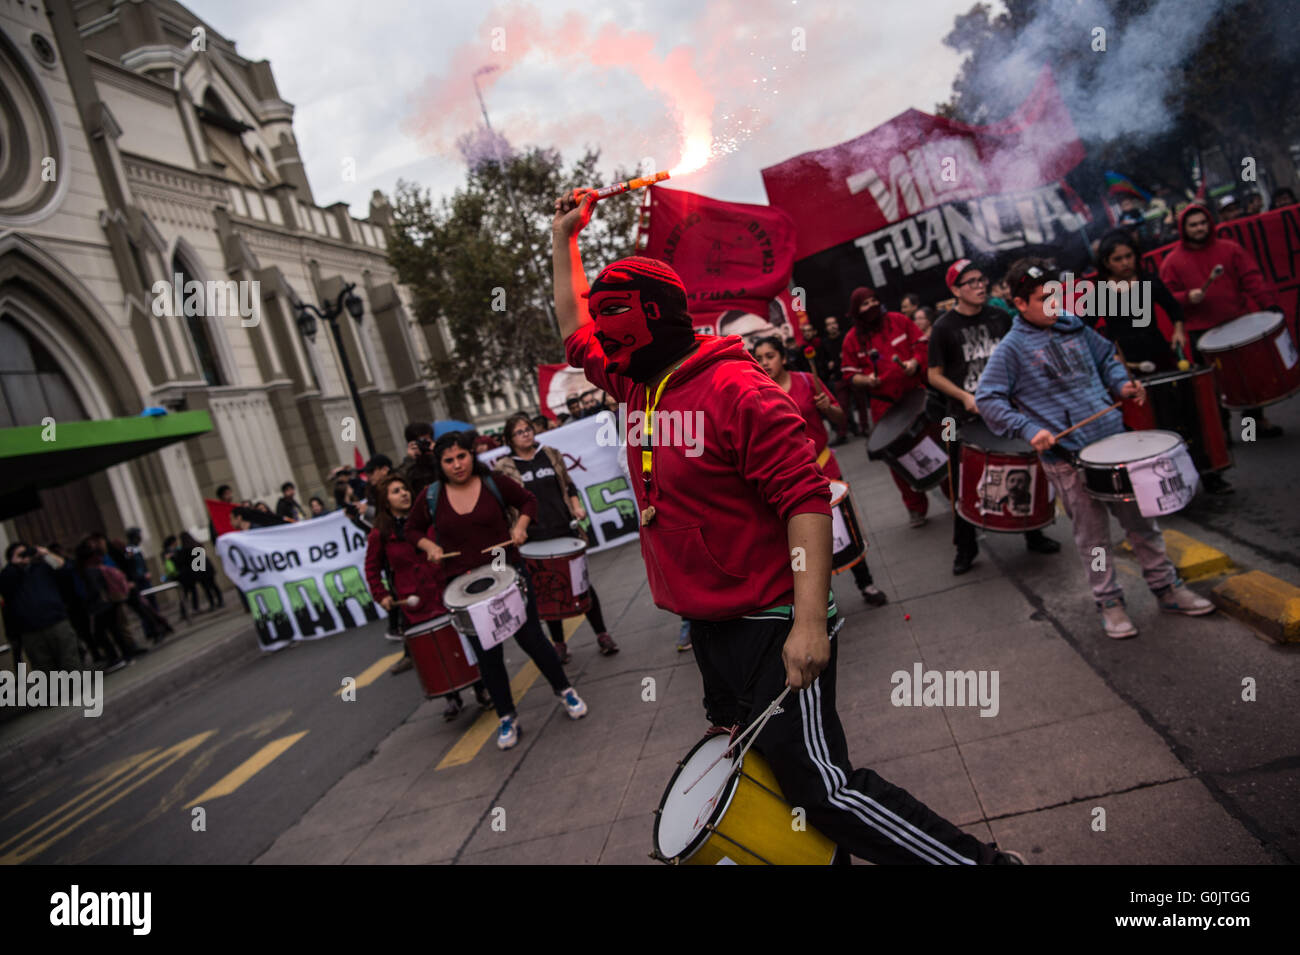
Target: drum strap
{"points": [[824, 456]]}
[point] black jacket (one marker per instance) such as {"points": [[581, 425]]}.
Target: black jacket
{"points": [[32, 597]]}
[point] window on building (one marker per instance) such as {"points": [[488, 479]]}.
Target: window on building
{"points": [[32, 385], [200, 334]]}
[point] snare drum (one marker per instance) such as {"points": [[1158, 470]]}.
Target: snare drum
{"points": [[558, 568], [1003, 484], [489, 605], [1188, 403], [439, 658], [1254, 358], [1152, 468], [910, 442], [734, 815], [848, 546]]}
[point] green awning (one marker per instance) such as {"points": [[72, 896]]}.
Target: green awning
{"points": [[28, 462]]}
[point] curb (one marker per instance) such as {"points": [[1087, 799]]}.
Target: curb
{"points": [[1193, 559], [1262, 601], [68, 736]]}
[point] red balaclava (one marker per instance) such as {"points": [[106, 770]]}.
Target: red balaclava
{"points": [[866, 321], [654, 330]]}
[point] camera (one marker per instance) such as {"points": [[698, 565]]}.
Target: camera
{"points": [[31, 553], [425, 444]]}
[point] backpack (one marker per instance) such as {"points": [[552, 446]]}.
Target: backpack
{"points": [[432, 492], [116, 586]]}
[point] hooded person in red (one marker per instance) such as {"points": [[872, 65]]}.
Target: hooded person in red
{"points": [[736, 537], [1239, 290], [884, 354]]}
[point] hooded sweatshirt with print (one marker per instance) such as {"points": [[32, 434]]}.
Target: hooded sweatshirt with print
{"points": [[1239, 290], [739, 466], [1051, 378]]}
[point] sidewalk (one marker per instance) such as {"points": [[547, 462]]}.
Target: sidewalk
{"points": [[33, 740], [1063, 744]]}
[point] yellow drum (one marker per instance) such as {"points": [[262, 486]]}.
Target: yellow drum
{"points": [[735, 815]]}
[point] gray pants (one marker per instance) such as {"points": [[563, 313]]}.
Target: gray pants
{"points": [[1091, 519], [54, 648]]}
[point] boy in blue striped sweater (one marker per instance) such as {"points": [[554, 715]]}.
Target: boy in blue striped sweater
{"points": [[1049, 372]]}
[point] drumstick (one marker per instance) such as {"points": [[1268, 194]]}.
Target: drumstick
{"points": [[1214, 274], [505, 543], [1088, 420], [753, 728]]}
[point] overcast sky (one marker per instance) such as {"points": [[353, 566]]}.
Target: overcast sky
{"points": [[388, 83]]}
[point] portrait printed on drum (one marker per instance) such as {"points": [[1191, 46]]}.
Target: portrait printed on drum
{"points": [[1007, 490]]}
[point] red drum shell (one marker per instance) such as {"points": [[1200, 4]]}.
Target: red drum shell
{"points": [[1253, 373], [439, 657], [974, 463], [552, 584]]}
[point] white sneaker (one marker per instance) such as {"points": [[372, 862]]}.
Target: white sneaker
{"points": [[573, 704], [1181, 600], [1115, 621], [508, 733]]}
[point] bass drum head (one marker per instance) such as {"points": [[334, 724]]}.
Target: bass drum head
{"points": [[897, 421], [427, 626], [681, 824], [1240, 331], [478, 585], [1129, 447], [554, 547], [977, 434]]}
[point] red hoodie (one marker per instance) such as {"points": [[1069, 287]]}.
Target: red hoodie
{"points": [[895, 335], [1239, 290], [717, 548]]}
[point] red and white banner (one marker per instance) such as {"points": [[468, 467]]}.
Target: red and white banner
{"points": [[916, 162]]}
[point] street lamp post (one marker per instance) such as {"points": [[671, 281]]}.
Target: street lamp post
{"points": [[510, 195], [306, 316]]}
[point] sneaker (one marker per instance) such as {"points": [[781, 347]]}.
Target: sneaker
{"points": [[454, 707], [1269, 430], [1214, 483], [1178, 599], [573, 704], [607, 644], [962, 563], [1008, 857], [118, 664], [508, 732], [916, 519], [401, 666], [1115, 621], [873, 595], [684, 638], [562, 651], [483, 698], [394, 636], [1040, 543]]}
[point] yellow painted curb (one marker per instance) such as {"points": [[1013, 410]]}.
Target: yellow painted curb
{"points": [[1193, 559], [1270, 605]]}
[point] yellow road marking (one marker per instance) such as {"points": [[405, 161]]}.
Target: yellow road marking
{"points": [[483, 728], [247, 769], [373, 672], [48, 830]]}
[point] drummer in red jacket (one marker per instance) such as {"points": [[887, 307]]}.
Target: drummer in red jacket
{"points": [[896, 367], [736, 537], [389, 553], [1207, 302]]}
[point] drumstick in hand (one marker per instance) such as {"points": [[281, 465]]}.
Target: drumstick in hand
{"points": [[1214, 274], [1089, 419], [505, 543]]}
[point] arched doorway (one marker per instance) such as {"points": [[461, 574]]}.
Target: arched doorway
{"points": [[33, 387]]}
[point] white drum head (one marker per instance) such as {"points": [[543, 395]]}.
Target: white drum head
{"points": [[839, 490], [478, 585], [1129, 447], [426, 626], [684, 815], [555, 547], [1240, 331]]}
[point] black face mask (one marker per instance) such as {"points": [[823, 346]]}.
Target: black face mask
{"points": [[870, 317], [669, 341]]}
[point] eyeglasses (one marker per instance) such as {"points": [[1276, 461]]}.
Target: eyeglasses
{"points": [[520, 432], [976, 281]]}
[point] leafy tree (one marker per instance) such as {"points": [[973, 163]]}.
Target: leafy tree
{"points": [[485, 267]]}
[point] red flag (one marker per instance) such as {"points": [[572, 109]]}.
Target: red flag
{"points": [[358, 461], [733, 257], [219, 514], [556, 384]]}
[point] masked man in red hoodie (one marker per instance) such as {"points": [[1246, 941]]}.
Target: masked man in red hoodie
{"points": [[1238, 291], [898, 366], [736, 538]]}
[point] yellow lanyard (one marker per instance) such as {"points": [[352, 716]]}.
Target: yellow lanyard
{"points": [[651, 404]]}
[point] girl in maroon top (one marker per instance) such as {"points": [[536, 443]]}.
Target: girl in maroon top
{"points": [[389, 553], [473, 525], [815, 402]]}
